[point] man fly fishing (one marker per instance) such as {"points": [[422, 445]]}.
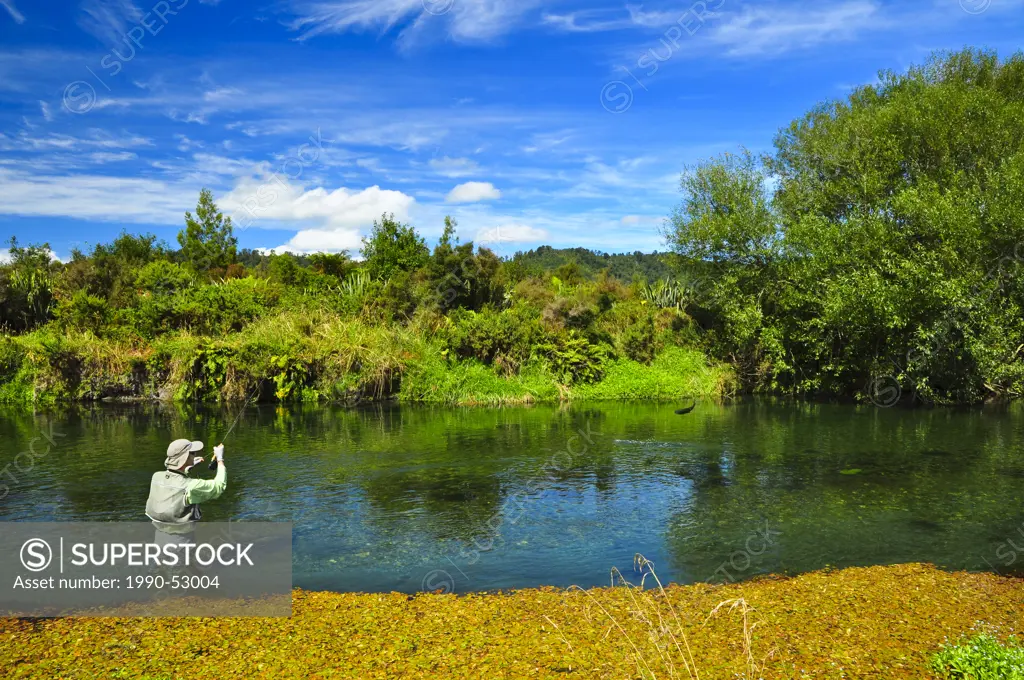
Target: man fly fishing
{"points": [[174, 497]]}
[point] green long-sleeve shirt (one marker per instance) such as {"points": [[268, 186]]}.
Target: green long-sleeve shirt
{"points": [[200, 490]]}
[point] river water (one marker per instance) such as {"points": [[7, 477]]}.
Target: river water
{"points": [[410, 497]]}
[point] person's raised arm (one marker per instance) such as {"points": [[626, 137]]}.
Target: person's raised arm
{"points": [[202, 490]]}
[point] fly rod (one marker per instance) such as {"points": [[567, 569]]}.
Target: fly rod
{"points": [[213, 463]]}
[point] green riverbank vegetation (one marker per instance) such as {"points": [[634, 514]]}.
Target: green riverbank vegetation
{"points": [[455, 324], [875, 252]]}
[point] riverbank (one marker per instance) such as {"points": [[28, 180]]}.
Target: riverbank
{"points": [[877, 622], [317, 357]]}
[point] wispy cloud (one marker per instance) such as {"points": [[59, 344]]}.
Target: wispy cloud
{"points": [[112, 156], [465, 20], [108, 20], [18, 17], [773, 30], [511, 233], [96, 139], [454, 167], [598, 20], [94, 197]]}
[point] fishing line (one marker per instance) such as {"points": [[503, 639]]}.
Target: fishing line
{"points": [[213, 463]]}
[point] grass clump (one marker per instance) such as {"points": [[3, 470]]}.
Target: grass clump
{"points": [[470, 382], [981, 657], [652, 633], [677, 371]]}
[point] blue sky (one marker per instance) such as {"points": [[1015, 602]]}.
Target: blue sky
{"points": [[530, 121]]}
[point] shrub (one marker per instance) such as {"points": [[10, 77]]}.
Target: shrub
{"points": [[163, 278], [639, 341], [393, 247], [570, 274], [337, 265], [212, 309], [574, 359], [84, 312], [225, 307], [26, 287], [505, 338], [397, 300], [458, 277], [206, 373], [11, 357], [609, 291], [665, 294], [285, 269], [570, 312], [981, 658]]}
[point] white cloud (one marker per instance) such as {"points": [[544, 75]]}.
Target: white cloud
{"points": [[546, 141], [331, 220], [108, 20], [757, 30], [45, 109], [467, 20], [112, 156], [221, 165], [473, 192], [590, 21], [454, 167], [95, 197], [223, 95], [97, 139], [635, 224], [321, 241], [336, 216], [371, 164], [18, 17], [510, 233], [186, 144], [340, 214], [751, 30]]}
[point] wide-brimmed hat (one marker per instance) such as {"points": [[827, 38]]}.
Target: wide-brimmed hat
{"points": [[179, 451]]}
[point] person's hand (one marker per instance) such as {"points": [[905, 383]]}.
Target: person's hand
{"points": [[218, 451]]}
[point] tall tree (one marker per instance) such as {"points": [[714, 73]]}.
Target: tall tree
{"points": [[208, 240], [890, 246], [393, 247]]}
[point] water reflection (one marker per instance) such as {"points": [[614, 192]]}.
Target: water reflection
{"points": [[557, 495]]}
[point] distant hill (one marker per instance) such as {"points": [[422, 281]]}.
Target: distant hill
{"points": [[622, 266]]}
